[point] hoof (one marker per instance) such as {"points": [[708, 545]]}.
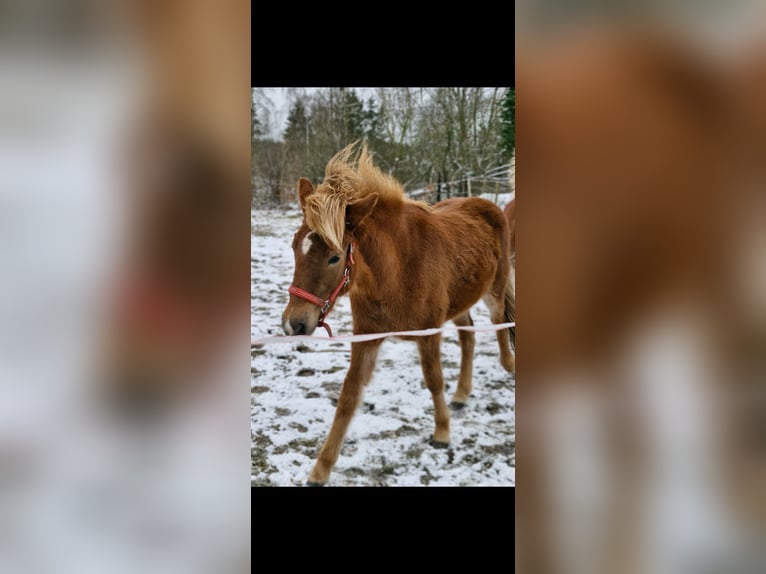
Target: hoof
{"points": [[438, 444], [312, 483], [456, 406]]}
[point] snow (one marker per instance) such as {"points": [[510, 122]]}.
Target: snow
{"points": [[293, 388]]}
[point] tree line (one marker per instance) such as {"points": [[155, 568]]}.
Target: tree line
{"points": [[421, 136]]}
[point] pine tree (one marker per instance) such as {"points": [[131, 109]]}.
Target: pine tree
{"points": [[297, 130], [371, 122], [353, 116], [256, 127], [508, 122]]}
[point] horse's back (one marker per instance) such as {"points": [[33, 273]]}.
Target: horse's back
{"points": [[468, 205], [480, 239]]}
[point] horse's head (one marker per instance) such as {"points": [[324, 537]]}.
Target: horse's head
{"points": [[322, 261]]}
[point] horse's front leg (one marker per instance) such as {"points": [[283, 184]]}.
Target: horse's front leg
{"points": [[430, 361], [363, 356]]}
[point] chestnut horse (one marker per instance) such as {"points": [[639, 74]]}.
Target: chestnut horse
{"points": [[406, 266]]}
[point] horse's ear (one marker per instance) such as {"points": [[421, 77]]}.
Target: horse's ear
{"points": [[356, 212], [304, 190]]}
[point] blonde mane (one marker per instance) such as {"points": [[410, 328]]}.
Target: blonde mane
{"points": [[349, 176]]}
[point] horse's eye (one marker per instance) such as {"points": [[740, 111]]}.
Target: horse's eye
{"points": [[333, 260]]}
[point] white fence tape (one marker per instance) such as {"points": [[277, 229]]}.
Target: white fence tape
{"points": [[372, 336]]}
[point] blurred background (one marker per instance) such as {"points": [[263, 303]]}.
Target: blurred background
{"points": [[641, 287], [124, 196]]}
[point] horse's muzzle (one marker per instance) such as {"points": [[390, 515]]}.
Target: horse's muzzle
{"points": [[300, 323]]}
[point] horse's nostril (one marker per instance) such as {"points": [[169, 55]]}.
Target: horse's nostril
{"points": [[299, 327]]}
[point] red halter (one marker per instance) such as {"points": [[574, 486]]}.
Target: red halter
{"points": [[326, 304]]}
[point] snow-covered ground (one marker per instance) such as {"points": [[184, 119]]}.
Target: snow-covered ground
{"points": [[294, 387]]}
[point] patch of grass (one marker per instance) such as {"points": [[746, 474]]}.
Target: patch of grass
{"points": [[260, 230], [497, 385], [299, 427], [257, 390], [470, 459], [334, 369], [331, 387], [259, 463], [305, 446], [493, 408], [503, 449], [354, 472], [414, 452]]}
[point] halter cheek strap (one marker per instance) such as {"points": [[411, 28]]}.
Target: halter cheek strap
{"points": [[326, 305]]}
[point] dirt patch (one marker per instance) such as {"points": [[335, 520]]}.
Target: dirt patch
{"points": [[259, 462], [334, 369], [331, 387], [257, 390], [402, 431], [504, 449], [305, 446], [354, 471], [299, 427], [493, 408], [414, 452]]}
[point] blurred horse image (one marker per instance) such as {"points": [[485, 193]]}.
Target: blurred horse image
{"points": [[640, 161]]}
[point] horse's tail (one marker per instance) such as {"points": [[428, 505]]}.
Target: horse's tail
{"points": [[510, 311]]}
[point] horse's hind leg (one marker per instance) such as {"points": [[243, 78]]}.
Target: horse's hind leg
{"points": [[430, 361], [363, 357], [500, 313], [467, 344]]}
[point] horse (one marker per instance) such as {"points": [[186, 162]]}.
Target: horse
{"points": [[180, 285], [405, 265], [640, 157]]}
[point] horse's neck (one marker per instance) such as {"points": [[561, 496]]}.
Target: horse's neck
{"points": [[380, 261]]}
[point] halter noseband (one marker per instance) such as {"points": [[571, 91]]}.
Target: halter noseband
{"points": [[326, 305]]}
